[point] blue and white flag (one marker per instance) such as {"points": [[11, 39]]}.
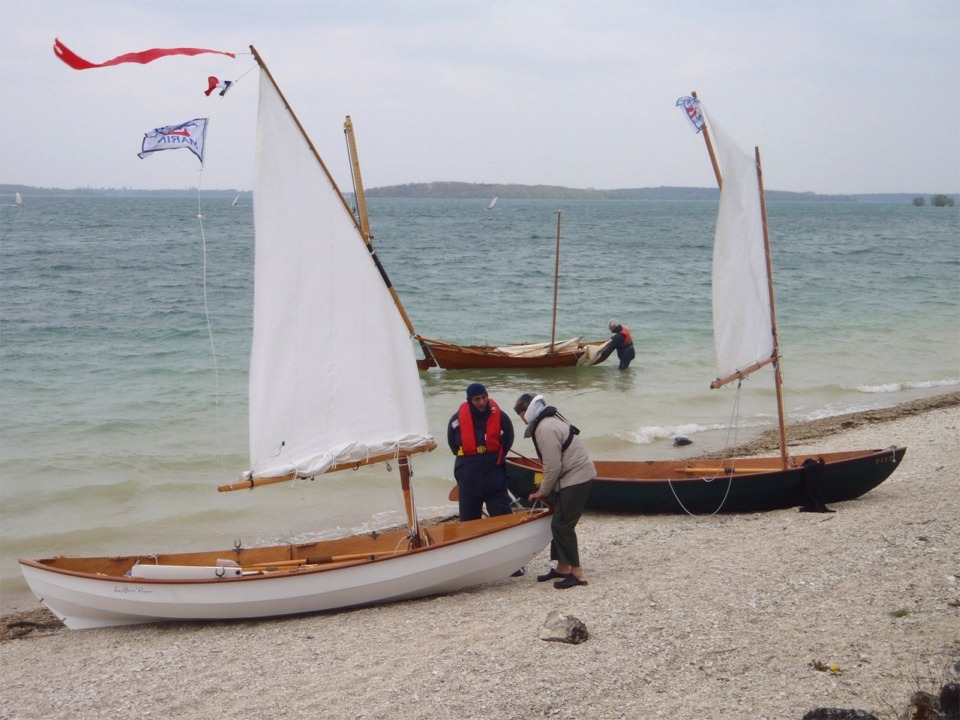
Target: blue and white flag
{"points": [[691, 106], [189, 135]]}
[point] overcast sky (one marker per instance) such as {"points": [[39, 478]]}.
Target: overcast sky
{"points": [[853, 96]]}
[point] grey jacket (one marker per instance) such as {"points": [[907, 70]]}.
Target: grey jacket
{"points": [[562, 468]]}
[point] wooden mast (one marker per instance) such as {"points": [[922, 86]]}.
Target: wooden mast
{"points": [[409, 506], [713, 155], [364, 223], [778, 378], [556, 285], [357, 181]]}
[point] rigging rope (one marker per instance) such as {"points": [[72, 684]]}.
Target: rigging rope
{"points": [[206, 306], [732, 426], [206, 314]]}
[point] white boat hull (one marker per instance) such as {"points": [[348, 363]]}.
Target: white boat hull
{"points": [[87, 600]]}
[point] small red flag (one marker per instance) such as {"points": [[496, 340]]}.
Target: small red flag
{"points": [[215, 84]]}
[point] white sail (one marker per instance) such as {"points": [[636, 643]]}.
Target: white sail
{"points": [[493, 204], [333, 376], [742, 321], [17, 199]]}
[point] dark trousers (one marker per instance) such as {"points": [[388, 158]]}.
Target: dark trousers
{"points": [[480, 482], [567, 511]]}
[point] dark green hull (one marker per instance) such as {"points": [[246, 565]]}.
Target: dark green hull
{"points": [[676, 487]]}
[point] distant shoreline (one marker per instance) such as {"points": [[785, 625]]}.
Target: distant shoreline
{"points": [[485, 191]]}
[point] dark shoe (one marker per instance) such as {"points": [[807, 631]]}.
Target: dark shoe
{"points": [[569, 581], [550, 576], [518, 573]]}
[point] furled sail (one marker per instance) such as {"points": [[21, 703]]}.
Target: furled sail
{"points": [[742, 321], [333, 376]]}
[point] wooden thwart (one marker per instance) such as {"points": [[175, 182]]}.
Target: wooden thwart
{"points": [[702, 470], [321, 560]]}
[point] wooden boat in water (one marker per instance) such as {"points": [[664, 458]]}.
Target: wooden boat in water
{"points": [[745, 338], [529, 356], [312, 412], [566, 353]]}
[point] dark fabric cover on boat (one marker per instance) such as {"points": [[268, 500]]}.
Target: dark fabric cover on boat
{"points": [[813, 471]]}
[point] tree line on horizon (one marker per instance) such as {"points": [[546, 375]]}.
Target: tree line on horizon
{"points": [[486, 191], [936, 201]]}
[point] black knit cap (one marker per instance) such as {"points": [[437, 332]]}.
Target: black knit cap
{"points": [[523, 402], [474, 389]]}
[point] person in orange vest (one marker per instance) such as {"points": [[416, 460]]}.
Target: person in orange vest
{"points": [[622, 342], [480, 435]]}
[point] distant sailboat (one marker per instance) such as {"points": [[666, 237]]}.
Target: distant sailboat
{"points": [[234, 203], [17, 199], [492, 205]]}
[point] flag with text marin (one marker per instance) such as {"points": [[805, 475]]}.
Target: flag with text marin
{"points": [[190, 135]]}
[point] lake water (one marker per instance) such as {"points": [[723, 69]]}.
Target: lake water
{"points": [[125, 329]]}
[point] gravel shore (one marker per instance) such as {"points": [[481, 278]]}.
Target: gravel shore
{"points": [[710, 617]]}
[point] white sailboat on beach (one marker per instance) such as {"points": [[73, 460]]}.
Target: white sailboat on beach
{"points": [[314, 409], [745, 340]]}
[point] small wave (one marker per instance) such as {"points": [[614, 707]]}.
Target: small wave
{"points": [[651, 433], [879, 389], [899, 387]]}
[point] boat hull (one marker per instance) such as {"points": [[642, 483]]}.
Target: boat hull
{"points": [[265, 582], [706, 487], [488, 357]]}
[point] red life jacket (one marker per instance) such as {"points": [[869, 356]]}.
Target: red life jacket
{"points": [[468, 435], [628, 339]]}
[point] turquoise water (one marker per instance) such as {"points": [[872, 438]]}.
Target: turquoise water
{"points": [[125, 327]]}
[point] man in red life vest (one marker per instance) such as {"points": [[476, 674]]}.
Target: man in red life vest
{"points": [[622, 342], [480, 435]]}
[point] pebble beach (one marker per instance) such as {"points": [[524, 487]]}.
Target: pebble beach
{"points": [[726, 616]]}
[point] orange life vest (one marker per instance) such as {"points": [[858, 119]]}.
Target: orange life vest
{"points": [[468, 435], [628, 339]]}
